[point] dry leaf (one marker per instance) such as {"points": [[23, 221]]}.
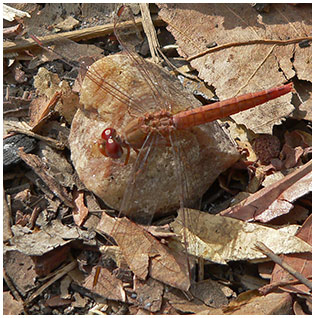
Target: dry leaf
{"points": [[275, 200], [57, 301], [250, 303], [247, 68], [11, 306], [48, 84], [149, 294], [68, 24], [107, 286], [210, 292], [180, 302], [145, 255], [222, 239], [20, 270], [80, 211], [301, 262], [47, 239], [41, 170]]}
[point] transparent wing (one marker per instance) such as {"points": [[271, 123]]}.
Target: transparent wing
{"points": [[129, 37], [73, 54]]}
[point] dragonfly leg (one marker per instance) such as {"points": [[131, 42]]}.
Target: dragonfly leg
{"points": [[127, 156]]}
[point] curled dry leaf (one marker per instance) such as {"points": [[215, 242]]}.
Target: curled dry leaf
{"points": [[222, 239], [275, 200]]}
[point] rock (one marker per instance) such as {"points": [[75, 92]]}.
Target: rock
{"points": [[151, 184]]}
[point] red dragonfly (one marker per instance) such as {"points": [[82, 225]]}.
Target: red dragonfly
{"points": [[154, 122]]}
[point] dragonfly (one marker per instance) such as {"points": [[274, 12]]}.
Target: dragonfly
{"points": [[138, 133]]}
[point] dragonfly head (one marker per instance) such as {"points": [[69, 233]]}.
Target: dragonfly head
{"points": [[110, 145]]}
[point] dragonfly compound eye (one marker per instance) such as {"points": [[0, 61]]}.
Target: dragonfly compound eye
{"points": [[113, 149], [108, 133]]}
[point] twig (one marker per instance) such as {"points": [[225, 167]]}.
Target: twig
{"points": [[266, 289], [34, 217], [53, 142], [265, 250], [63, 271], [251, 42], [150, 31], [77, 35]]}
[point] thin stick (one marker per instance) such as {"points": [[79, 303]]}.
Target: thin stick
{"points": [[251, 42], [77, 35], [52, 142], [264, 249], [63, 271], [150, 31]]}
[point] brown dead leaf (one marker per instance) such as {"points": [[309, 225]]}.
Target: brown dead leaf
{"points": [[21, 271], [297, 143], [210, 292], [50, 237], [46, 263], [40, 169], [241, 69], [275, 200], [145, 255], [40, 108], [149, 294], [266, 147], [11, 306], [56, 162], [301, 262], [68, 24], [57, 301], [222, 239], [251, 303], [107, 286], [49, 85], [80, 211], [296, 216], [179, 301]]}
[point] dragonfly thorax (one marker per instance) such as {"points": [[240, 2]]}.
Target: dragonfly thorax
{"points": [[138, 129]]}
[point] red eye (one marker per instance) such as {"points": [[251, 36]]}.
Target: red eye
{"points": [[108, 133], [113, 149]]}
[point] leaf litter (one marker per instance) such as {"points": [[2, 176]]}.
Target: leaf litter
{"points": [[149, 291]]}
